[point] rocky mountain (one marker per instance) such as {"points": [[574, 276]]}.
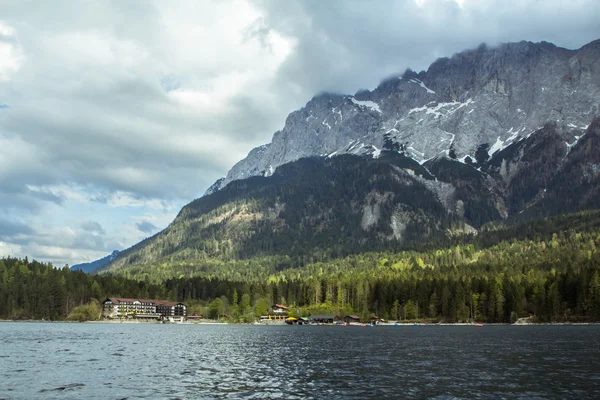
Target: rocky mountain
{"points": [[95, 266], [484, 97], [320, 208], [490, 135]]}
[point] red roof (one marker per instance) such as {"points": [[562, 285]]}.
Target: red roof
{"points": [[280, 306], [118, 300]]}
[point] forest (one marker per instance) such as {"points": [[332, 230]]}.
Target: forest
{"points": [[547, 268], [312, 206]]}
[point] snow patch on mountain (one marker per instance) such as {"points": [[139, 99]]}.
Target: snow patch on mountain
{"points": [[367, 103], [441, 109], [376, 153], [420, 83], [502, 144], [269, 171]]}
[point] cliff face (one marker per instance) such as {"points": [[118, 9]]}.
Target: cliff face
{"points": [[487, 96]]}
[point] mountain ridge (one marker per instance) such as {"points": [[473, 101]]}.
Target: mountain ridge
{"points": [[488, 95]]}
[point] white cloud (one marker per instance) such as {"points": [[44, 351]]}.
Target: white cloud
{"points": [[88, 194], [11, 55], [10, 249]]}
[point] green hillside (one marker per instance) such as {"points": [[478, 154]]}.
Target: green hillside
{"points": [[548, 267], [310, 210]]}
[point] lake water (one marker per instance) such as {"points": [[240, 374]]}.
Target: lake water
{"points": [[117, 361]]}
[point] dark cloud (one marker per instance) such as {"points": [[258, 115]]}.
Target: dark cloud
{"points": [[84, 240], [347, 45], [9, 229], [146, 227], [46, 196], [92, 227]]}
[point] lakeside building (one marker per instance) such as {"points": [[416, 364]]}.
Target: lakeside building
{"points": [[119, 308], [349, 319], [278, 312], [279, 309], [323, 319], [297, 321]]}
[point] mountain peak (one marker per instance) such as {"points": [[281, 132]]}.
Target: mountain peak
{"points": [[490, 96]]}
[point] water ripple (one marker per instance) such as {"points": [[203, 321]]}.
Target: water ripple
{"points": [[94, 361]]}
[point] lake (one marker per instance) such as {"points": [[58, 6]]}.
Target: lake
{"points": [[133, 361]]}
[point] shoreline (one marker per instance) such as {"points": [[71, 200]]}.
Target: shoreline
{"points": [[399, 324]]}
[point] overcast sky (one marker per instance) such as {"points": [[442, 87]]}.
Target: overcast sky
{"points": [[114, 114]]}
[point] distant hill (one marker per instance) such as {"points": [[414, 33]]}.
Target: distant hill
{"points": [[94, 266]]}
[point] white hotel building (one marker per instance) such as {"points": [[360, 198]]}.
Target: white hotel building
{"points": [[119, 308]]}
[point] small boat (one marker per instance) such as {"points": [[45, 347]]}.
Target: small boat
{"points": [[478, 324]]}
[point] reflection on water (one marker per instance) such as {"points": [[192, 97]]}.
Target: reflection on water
{"points": [[116, 361]]}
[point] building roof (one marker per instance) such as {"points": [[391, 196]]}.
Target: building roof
{"points": [[166, 303], [119, 300], [323, 317], [279, 306], [353, 316]]}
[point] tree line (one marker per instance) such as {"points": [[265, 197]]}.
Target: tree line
{"points": [[35, 290], [548, 271]]}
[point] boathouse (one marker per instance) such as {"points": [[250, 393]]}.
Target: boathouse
{"points": [[323, 319], [349, 319]]}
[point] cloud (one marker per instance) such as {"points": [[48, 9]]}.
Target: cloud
{"points": [[10, 249], [11, 56], [102, 113], [146, 227], [125, 111], [58, 245], [10, 229], [92, 227], [343, 46]]}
